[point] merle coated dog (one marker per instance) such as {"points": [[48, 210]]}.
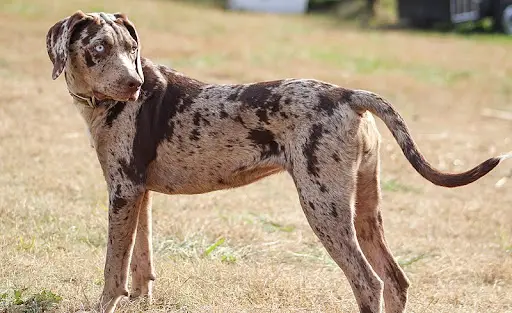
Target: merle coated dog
{"points": [[156, 130]]}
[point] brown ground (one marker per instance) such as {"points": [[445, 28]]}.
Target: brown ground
{"points": [[455, 245]]}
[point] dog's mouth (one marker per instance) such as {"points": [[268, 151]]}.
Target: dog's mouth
{"points": [[135, 95], [127, 96]]}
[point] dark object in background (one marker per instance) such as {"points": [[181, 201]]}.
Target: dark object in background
{"points": [[325, 5], [370, 7], [425, 13], [370, 11]]}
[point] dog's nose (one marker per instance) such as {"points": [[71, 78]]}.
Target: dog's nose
{"points": [[133, 84]]}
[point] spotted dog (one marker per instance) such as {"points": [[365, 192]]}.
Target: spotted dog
{"points": [[156, 130]]}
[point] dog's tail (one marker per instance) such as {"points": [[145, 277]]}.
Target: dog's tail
{"points": [[366, 101]]}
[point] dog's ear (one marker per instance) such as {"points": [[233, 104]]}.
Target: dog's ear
{"points": [[122, 18], [57, 41]]}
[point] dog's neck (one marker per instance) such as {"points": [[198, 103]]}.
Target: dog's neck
{"points": [[83, 97], [84, 102], [89, 101], [77, 87]]}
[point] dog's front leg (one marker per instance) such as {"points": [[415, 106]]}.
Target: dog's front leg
{"points": [[143, 273], [125, 201]]}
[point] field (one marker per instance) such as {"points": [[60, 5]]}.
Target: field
{"points": [[250, 249]]}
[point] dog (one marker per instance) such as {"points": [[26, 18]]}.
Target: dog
{"points": [[157, 130]]}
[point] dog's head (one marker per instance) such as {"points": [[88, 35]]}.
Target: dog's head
{"points": [[99, 52]]}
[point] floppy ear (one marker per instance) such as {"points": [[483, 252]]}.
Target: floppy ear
{"points": [[57, 41], [131, 29]]}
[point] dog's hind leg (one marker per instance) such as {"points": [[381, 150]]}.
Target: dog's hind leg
{"points": [[125, 202], [142, 268], [370, 234], [326, 187]]}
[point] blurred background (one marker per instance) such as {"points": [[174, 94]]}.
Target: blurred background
{"points": [[446, 67], [458, 15]]}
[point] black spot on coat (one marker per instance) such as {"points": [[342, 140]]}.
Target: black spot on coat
{"points": [[326, 103], [113, 112], [257, 94], [88, 59], [329, 100], [262, 115], [264, 139], [197, 118], [346, 96], [117, 201], [233, 96], [90, 32], [334, 210], [154, 121], [194, 135], [311, 147], [365, 309]]}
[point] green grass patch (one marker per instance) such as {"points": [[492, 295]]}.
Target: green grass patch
{"points": [[435, 75], [26, 244], [367, 65], [214, 246], [94, 240], [314, 253], [225, 256], [405, 262], [199, 62], [23, 8], [505, 241], [17, 301], [272, 226], [198, 247], [395, 186]]}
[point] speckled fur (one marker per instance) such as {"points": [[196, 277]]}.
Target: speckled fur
{"points": [[183, 136]]}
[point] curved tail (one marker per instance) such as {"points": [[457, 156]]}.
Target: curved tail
{"points": [[367, 101]]}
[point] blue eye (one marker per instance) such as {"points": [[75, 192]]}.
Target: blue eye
{"points": [[99, 48]]}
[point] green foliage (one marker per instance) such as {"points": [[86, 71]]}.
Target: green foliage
{"points": [[228, 258], [26, 244], [214, 246], [3, 296], [16, 301], [17, 296], [225, 257]]}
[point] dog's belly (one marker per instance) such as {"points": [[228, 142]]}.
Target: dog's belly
{"points": [[210, 164], [195, 183]]}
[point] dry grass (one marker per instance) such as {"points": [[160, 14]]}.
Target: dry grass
{"points": [[455, 245]]}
